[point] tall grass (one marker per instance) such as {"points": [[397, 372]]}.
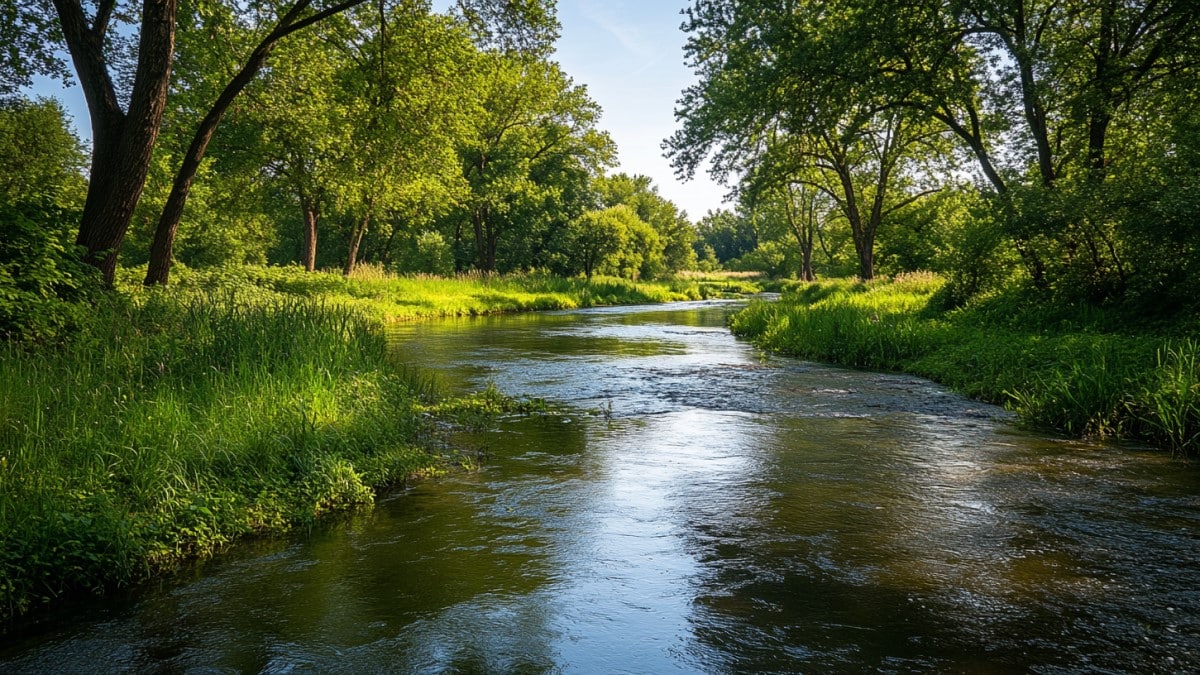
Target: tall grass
{"points": [[1169, 406], [240, 400], [1070, 370], [392, 297], [175, 426]]}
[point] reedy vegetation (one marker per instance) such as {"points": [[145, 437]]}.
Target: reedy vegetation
{"points": [[238, 401], [1076, 370]]}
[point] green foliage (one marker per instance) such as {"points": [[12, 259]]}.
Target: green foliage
{"points": [[641, 255], [1170, 406], [240, 400], [774, 258], [1079, 119], [430, 254], [1158, 222], [528, 162], [179, 420], [44, 285], [675, 234], [40, 159], [729, 235], [594, 238], [43, 282], [1077, 370]]}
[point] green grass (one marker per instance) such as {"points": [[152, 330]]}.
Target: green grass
{"points": [[238, 401], [729, 284], [390, 297], [1079, 370]]}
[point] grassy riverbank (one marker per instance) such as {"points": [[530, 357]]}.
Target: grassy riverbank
{"points": [[390, 297], [171, 422], [1078, 370]]}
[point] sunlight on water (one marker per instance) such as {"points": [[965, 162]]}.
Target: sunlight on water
{"points": [[699, 508]]}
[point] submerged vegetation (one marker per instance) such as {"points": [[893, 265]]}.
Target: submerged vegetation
{"points": [[1080, 370]]}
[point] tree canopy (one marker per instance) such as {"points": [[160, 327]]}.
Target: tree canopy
{"points": [[1049, 109]]}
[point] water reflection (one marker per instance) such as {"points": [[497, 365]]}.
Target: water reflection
{"points": [[727, 512]]}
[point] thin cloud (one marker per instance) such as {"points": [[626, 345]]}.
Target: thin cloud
{"points": [[628, 36]]}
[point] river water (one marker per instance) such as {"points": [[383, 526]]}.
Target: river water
{"points": [[699, 507]]}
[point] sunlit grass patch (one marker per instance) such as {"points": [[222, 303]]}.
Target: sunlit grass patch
{"points": [[392, 297], [1074, 373]]}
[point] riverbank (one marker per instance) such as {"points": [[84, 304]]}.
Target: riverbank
{"points": [[1081, 371], [390, 297], [235, 402]]}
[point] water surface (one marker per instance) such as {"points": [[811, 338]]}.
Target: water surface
{"points": [[701, 507]]}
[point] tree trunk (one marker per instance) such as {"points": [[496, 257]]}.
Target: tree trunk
{"points": [[309, 254], [866, 262], [458, 233], [806, 272], [356, 237], [122, 141], [491, 248], [477, 218], [168, 224], [802, 230], [864, 242]]}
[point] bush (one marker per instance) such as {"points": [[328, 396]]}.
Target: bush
{"points": [[44, 285]]}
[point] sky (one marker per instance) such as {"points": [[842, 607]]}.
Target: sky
{"points": [[629, 55]]}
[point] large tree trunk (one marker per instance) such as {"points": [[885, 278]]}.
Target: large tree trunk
{"points": [[122, 141], [866, 261]]}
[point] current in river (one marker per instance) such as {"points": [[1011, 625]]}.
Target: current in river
{"points": [[698, 507]]}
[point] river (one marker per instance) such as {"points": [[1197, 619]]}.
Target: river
{"points": [[698, 507]]}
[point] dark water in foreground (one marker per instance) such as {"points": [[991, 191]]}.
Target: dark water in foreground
{"points": [[703, 509]]}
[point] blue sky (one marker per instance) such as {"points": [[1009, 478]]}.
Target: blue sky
{"points": [[629, 54]]}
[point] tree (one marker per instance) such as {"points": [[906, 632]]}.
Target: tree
{"points": [[596, 237], [41, 188], [1034, 92], [41, 161], [407, 113], [533, 118], [802, 208], [670, 224], [744, 110], [728, 234], [124, 136]]}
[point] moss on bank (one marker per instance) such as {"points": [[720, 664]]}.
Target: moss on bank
{"points": [[1079, 370]]}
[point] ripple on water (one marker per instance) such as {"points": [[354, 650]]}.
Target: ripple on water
{"points": [[703, 508]]}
